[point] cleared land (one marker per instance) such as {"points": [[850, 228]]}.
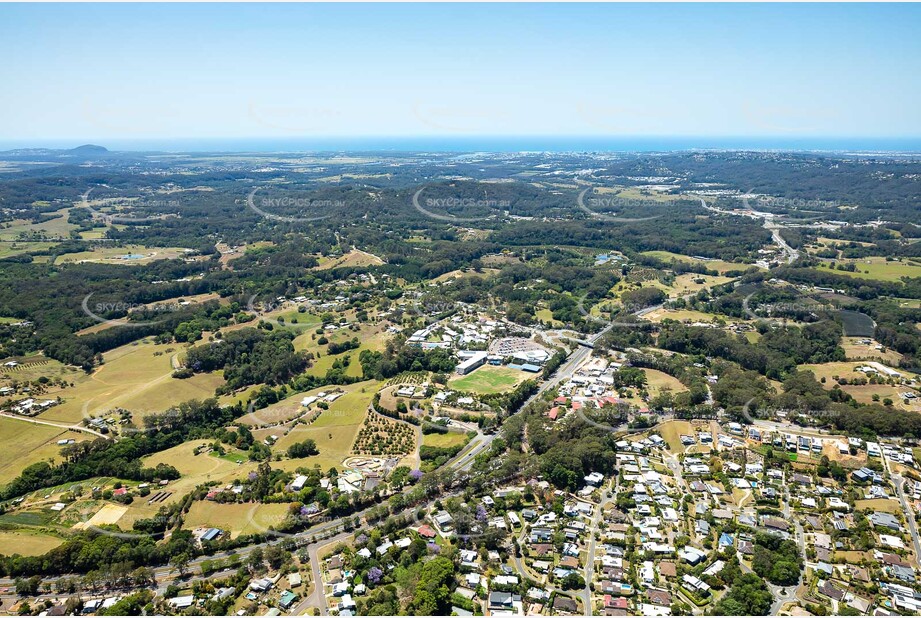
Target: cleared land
{"points": [[136, 377], [876, 268], [24, 444], [334, 430], [130, 254], [488, 379], [717, 265], [352, 259], [246, 518], [690, 283], [879, 504], [856, 350], [27, 542], [444, 440]]}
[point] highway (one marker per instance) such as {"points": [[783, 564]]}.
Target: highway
{"points": [[335, 528]]}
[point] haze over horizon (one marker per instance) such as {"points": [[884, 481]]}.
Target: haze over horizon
{"points": [[164, 74]]}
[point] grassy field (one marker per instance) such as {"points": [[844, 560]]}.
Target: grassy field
{"points": [[717, 265], [829, 370], [117, 255], [246, 518], [690, 283], [488, 379], [57, 227], [195, 470], [879, 504], [855, 350], [136, 377], [27, 542], [862, 393], [24, 444], [671, 432], [35, 366], [658, 381], [876, 268], [352, 259], [688, 315], [545, 315], [444, 440], [370, 337], [334, 430]]}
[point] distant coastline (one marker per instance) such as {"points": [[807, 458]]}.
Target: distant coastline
{"points": [[450, 143]]}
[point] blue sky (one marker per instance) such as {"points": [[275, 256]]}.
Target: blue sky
{"points": [[106, 71]]}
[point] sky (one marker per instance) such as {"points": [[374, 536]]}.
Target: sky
{"points": [[103, 71]]}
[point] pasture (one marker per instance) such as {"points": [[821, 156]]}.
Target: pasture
{"points": [[488, 380], [718, 265], [128, 255], [24, 443], [353, 259], [245, 518], [136, 377], [854, 350], [334, 430], [876, 268], [690, 283], [658, 381], [27, 542], [671, 432], [444, 440]]}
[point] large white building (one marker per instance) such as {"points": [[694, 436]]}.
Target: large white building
{"points": [[471, 363]]}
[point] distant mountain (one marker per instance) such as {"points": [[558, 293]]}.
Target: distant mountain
{"points": [[89, 149]]}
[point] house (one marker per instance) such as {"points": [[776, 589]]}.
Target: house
{"points": [[182, 602], [692, 555], [261, 585], [503, 601], [880, 519], [775, 523], [565, 605], [831, 591], [696, 585], [668, 569], [659, 597], [287, 599]]}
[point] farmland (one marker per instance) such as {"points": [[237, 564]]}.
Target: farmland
{"points": [[24, 443], [876, 269], [488, 379], [334, 430], [717, 265], [27, 542], [245, 518], [136, 377]]}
